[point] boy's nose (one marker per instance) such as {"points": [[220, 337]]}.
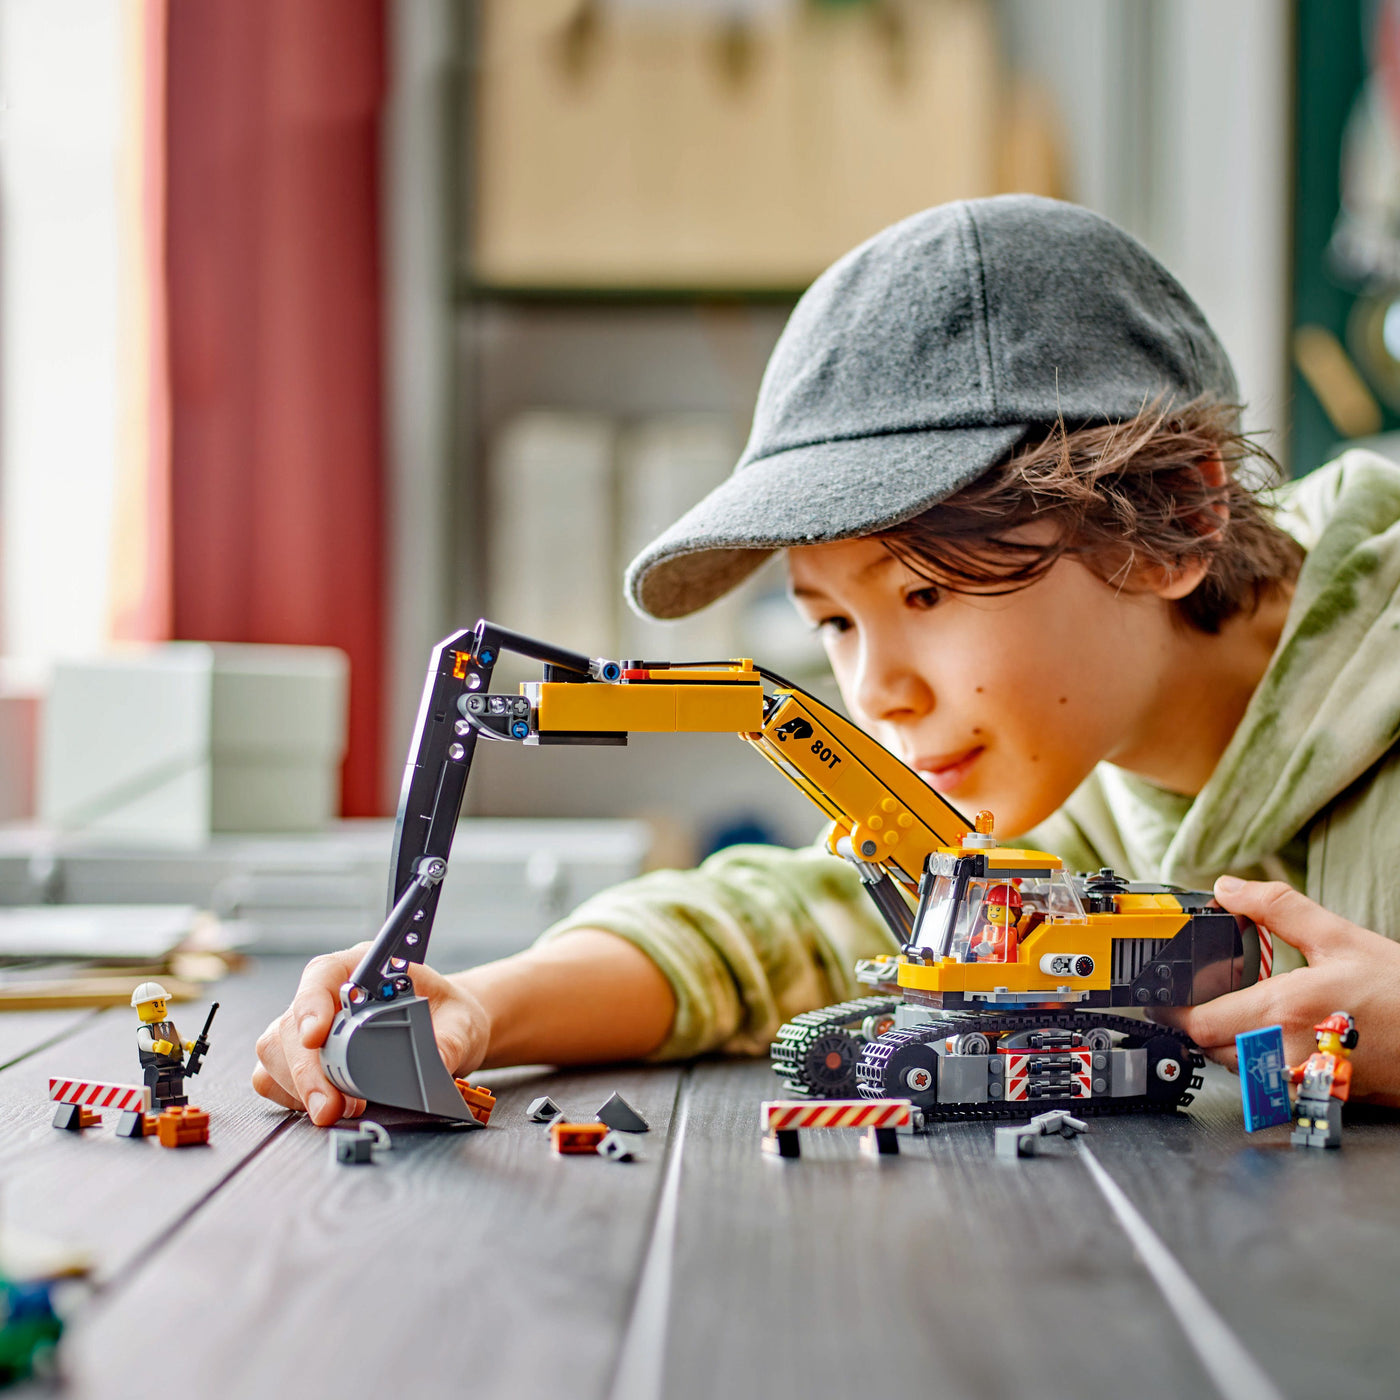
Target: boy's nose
{"points": [[888, 687]]}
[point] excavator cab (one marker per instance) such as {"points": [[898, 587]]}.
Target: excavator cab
{"points": [[984, 917]]}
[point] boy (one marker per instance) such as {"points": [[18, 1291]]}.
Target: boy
{"points": [[999, 444]]}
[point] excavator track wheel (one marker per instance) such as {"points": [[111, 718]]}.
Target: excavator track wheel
{"points": [[829, 1064], [1169, 1064], [901, 1065], [816, 1053]]}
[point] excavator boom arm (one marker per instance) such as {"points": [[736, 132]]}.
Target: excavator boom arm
{"points": [[886, 820]]}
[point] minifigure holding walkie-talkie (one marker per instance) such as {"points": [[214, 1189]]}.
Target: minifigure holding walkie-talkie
{"points": [[163, 1063]]}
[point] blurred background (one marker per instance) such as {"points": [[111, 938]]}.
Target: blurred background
{"points": [[335, 324]]}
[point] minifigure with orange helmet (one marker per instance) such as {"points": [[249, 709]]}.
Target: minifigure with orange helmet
{"points": [[997, 936], [1324, 1082]]}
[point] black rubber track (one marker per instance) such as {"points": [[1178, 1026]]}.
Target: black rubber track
{"points": [[789, 1051], [870, 1079]]}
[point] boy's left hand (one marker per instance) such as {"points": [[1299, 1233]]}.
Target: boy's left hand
{"points": [[1349, 969]]}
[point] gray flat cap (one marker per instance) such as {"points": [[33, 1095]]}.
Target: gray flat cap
{"points": [[918, 361]]}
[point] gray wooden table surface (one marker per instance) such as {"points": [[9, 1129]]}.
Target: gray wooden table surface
{"points": [[1163, 1257]]}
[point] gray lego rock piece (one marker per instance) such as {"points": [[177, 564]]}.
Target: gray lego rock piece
{"points": [[1023, 1139], [619, 1115], [67, 1116], [543, 1110], [619, 1147]]}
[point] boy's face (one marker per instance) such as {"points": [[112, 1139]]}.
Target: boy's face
{"points": [[1000, 702]]}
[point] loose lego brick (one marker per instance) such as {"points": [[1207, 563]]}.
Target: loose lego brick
{"points": [[1263, 1085], [480, 1101], [74, 1117], [543, 1110], [619, 1147], [619, 1114], [182, 1127], [360, 1144], [135, 1124], [1024, 1139], [351, 1148], [577, 1139]]}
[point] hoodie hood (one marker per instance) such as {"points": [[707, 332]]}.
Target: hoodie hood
{"points": [[1328, 707]]}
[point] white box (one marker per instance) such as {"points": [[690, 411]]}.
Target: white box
{"points": [[170, 743], [509, 879]]}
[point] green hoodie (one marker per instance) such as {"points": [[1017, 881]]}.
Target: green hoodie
{"points": [[1306, 791]]}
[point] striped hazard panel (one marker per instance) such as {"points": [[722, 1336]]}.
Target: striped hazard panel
{"points": [[1038, 1074], [95, 1093], [780, 1115]]}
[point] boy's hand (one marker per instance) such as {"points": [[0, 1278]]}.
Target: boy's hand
{"points": [[1349, 969], [289, 1068]]}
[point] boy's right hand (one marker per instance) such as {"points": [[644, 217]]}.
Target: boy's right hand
{"points": [[289, 1066]]}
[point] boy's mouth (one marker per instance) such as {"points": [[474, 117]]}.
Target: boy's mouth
{"points": [[945, 772]]}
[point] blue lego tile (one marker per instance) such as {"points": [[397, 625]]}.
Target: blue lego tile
{"points": [[1262, 1085]]}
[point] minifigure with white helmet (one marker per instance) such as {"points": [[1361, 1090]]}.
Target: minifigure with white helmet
{"points": [[160, 1047]]}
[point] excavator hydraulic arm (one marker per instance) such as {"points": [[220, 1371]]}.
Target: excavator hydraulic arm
{"points": [[886, 820]]}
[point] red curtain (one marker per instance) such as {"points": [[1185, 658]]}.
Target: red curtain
{"points": [[274, 322]]}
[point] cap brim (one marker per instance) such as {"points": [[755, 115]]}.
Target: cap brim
{"points": [[807, 495]]}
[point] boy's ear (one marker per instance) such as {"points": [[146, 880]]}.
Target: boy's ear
{"points": [[1177, 581], [1216, 478]]}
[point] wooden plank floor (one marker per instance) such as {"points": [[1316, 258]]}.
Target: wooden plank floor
{"points": [[476, 1263]]}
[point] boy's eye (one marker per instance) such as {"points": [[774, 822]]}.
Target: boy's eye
{"points": [[833, 625], [927, 597]]}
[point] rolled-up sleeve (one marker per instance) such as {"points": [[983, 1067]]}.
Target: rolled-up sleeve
{"points": [[748, 940]]}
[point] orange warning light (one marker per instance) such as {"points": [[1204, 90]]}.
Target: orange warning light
{"points": [[462, 659], [984, 822]]}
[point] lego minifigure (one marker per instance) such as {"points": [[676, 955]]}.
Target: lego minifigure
{"points": [[1325, 1082], [999, 935], [163, 1063]]}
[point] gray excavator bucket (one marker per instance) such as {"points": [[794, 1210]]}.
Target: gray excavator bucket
{"points": [[386, 1053]]}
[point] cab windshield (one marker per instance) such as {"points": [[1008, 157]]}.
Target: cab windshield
{"points": [[984, 919]]}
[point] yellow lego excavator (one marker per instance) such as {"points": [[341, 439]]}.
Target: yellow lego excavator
{"points": [[1003, 995]]}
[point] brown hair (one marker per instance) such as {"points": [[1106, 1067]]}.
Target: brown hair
{"points": [[1122, 495]]}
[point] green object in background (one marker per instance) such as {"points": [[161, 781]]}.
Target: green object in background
{"points": [[1331, 70], [29, 1332]]}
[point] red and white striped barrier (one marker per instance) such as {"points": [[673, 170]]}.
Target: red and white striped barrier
{"points": [[782, 1118], [97, 1094], [782, 1115]]}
